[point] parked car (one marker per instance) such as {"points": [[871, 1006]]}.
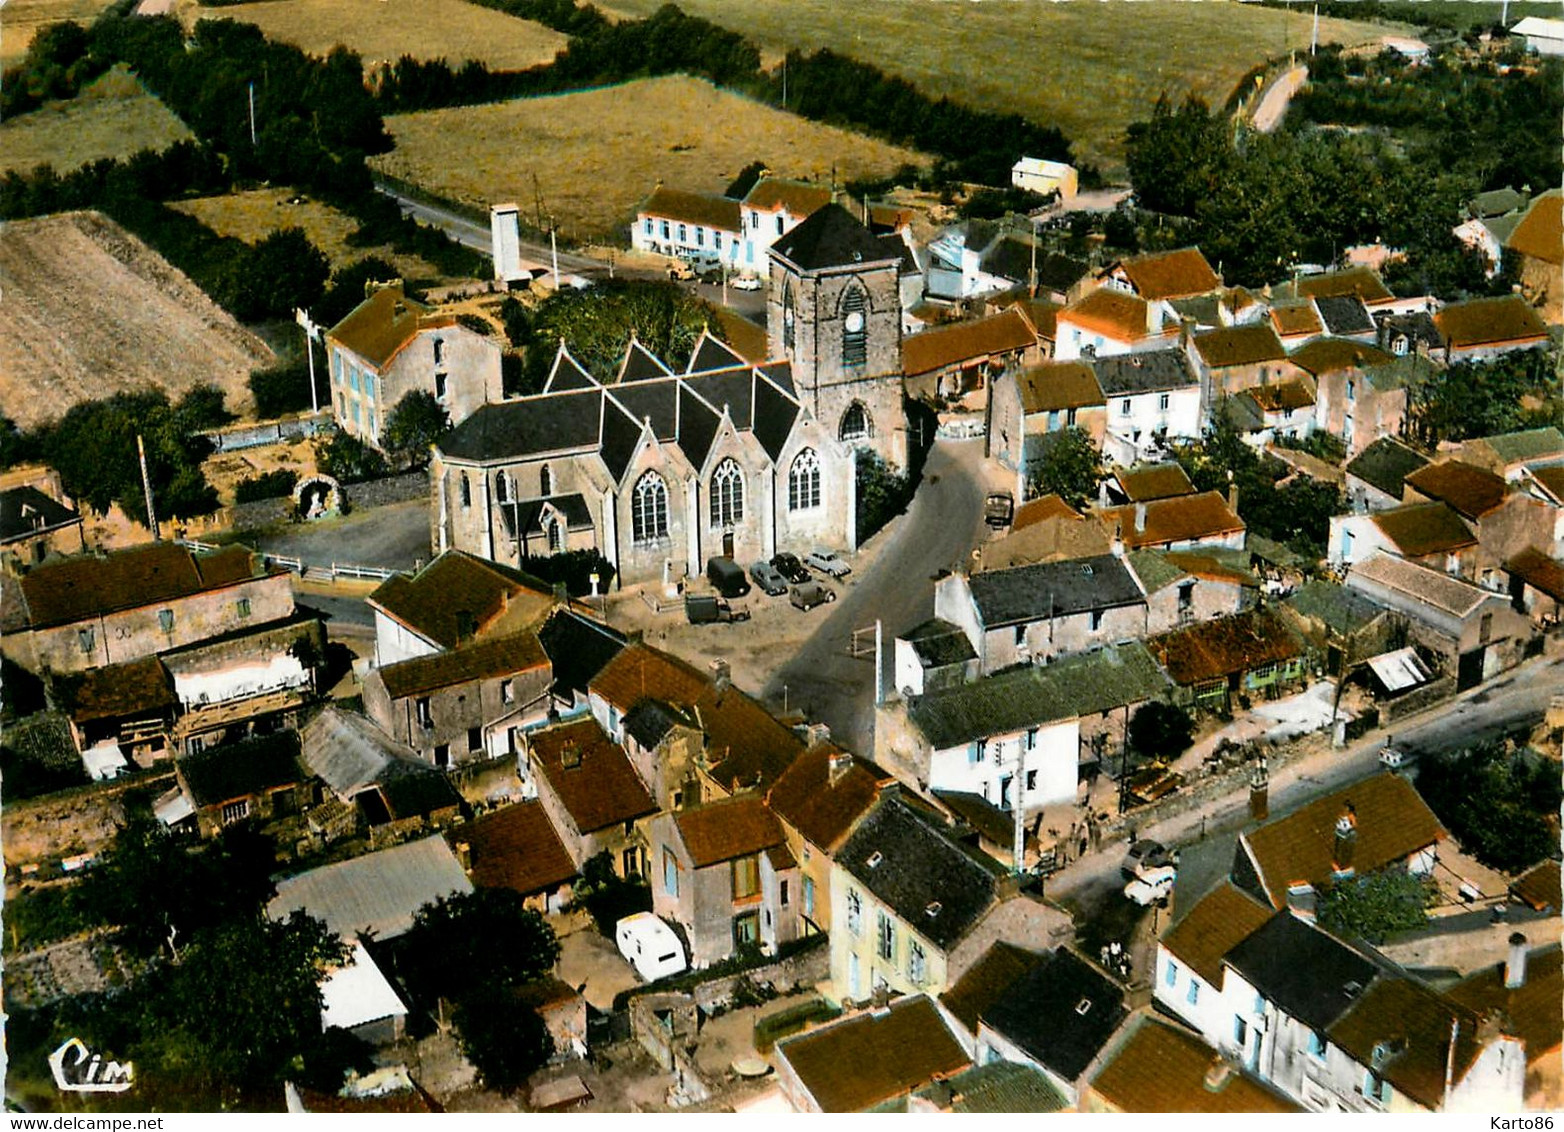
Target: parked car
{"points": [[705, 609], [790, 567], [681, 271], [746, 283], [827, 562], [727, 576], [768, 578], [650, 946], [999, 509], [807, 595], [1396, 758], [1146, 855], [1154, 886]]}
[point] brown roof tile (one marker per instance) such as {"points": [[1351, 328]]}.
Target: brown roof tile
{"points": [[516, 847], [1291, 321], [823, 806], [380, 326], [456, 587], [1226, 646], [1470, 491], [984, 983], [1204, 566], [1042, 314], [876, 1056], [1420, 529], [1111, 312], [1171, 275], [799, 198], [1400, 1012], [1538, 887], [1280, 395], [1486, 322], [707, 209], [1539, 572], [932, 350], [1329, 355], [1533, 1009], [1222, 919], [73, 589], [1393, 822], [1551, 480], [728, 828], [1050, 506], [1182, 518], [599, 788], [482, 660], [1540, 234], [1240, 345], [1054, 386], [1163, 1068], [136, 687], [1359, 281], [1145, 482]]}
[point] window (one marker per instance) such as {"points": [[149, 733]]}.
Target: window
{"points": [[442, 755], [917, 963], [475, 738], [646, 226], [1352, 390], [1069, 418], [1031, 781], [353, 379], [1053, 420], [670, 872], [1375, 1087], [782, 894], [1346, 544], [779, 225], [855, 338], [885, 936], [746, 877], [684, 234], [545, 481], [727, 494], [809, 896], [803, 481], [1170, 974], [855, 423], [425, 716], [982, 750], [354, 412], [1124, 407], [507, 691], [502, 486], [700, 236], [1162, 403], [1020, 635], [746, 930], [1031, 739], [1096, 620], [554, 534], [87, 639], [165, 618], [1316, 1045], [336, 366], [716, 240], [787, 314], [242, 607], [1186, 595], [439, 352], [465, 488], [1240, 1032], [664, 224], [440, 387], [1485, 628], [236, 811], [649, 509], [854, 912], [1193, 997]]}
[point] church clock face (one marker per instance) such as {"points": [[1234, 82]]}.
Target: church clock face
{"points": [[855, 322]]}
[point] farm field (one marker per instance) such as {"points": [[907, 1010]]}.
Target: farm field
{"points": [[91, 311], [597, 153], [113, 116], [1088, 68], [382, 31], [25, 18], [251, 216]]}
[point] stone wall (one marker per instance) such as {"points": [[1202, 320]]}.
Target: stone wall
{"points": [[42, 831]]}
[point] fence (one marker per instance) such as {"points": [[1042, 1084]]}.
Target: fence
{"points": [[332, 572]]}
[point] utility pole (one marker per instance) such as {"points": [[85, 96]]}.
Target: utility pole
{"points": [[311, 331], [553, 244], [146, 487], [1018, 842], [252, 115], [2, 40], [1124, 762], [1314, 39]]}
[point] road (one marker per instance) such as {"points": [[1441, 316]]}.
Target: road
{"points": [[1273, 103], [938, 532]]}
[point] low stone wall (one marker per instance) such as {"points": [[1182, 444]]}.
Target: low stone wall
{"points": [[392, 489], [44, 831], [1415, 701], [285, 430]]}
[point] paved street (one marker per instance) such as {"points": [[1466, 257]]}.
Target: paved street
{"points": [[394, 537]]}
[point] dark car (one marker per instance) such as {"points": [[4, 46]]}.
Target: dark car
{"points": [[807, 595], [704, 609], [791, 568], [727, 576], [768, 578]]}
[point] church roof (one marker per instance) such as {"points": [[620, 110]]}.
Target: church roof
{"points": [[831, 237]]}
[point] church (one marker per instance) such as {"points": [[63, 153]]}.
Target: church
{"points": [[660, 471]]}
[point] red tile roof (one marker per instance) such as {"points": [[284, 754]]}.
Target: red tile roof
{"points": [[1420, 1020], [455, 586], [823, 806], [1421, 529], [1171, 275], [1054, 386], [984, 983], [706, 209], [1292, 321], [515, 848], [1183, 518], [481, 660], [1281, 395], [1164, 1068], [1471, 491], [1490, 322], [1540, 234], [1045, 507], [1240, 346], [590, 775], [378, 328], [1359, 281], [943, 346], [89, 585], [728, 828], [799, 198], [1110, 312], [1328, 355], [1145, 482], [1532, 1009], [1221, 920], [873, 1057], [1541, 573], [1208, 650]]}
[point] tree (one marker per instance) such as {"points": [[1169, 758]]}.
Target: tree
{"points": [[608, 897], [484, 939], [505, 1040], [417, 421], [1502, 807], [347, 459], [347, 288], [882, 492], [1377, 905], [597, 324], [1161, 730], [574, 568], [1070, 467], [283, 272], [740, 186]]}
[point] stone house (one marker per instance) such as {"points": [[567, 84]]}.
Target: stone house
{"points": [[1182, 522], [257, 779], [1252, 654], [1266, 413], [1376, 476], [1152, 397], [1179, 274], [1359, 395], [129, 707], [1343, 628], [959, 363], [1182, 586], [1236, 358], [517, 847], [1537, 242], [253, 682], [591, 794], [1514, 455], [35, 523], [1431, 534], [1479, 329], [932, 655], [1028, 406], [1536, 585]]}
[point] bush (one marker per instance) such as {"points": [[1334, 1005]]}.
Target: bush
{"points": [[883, 493], [505, 1042], [574, 568], [1378, 905], [267, 485], [1161, 730], [347, 459], [1502, 808], [284, 389], [608, 897], [417, 422]]}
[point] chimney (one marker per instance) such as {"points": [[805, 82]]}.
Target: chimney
{"points": [[721, 675], [1116, 546], [840, 763], [1140, 518], [816, 733], [1218, 1075], [1232, 493], [1260, 791], [1515, 965], [464, 855], [1346, 842]]}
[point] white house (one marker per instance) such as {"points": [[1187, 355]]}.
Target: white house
{"points": [[1545, 37], [690, 226], [1109, 321], [1036, 175], [1151, 397]]}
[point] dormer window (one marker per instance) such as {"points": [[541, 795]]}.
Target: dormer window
{"points": [[874, 859], [1083, 1006], [933, 909]]}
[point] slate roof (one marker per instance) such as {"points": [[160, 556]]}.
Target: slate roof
{"points": [[1062, 1013], [567, 374], [984, 984], [1341, 610], [944, 346], [712, 353], [1540, 234], [25, 511], [1056, 386], [1330, 355], [640, 363], [135, 687], [1484, 322], [1344, 315], [1110, 312], [1146, 482], [1225, 646], [936, 886], [379, 892], [240, 770], [1085, 684], [527, 514], [477, 660], [1416, 1021], [1170, 275], [1385, 464], [821, 807], [707, 209], [1161, 1067], [380, 326], [1183, 518], [1222, 919], [1240, 345], [352, 755], [873, 1057], [601, 788], [1021, 595], [578, 648], [1359, 281], [1153, 371], [938, 643], [649, 721], [1417, 529], [432, 601], [571, 421], [1470, 491], [515, 847], [728, 828], [74, 589], [831, 237], [1308, 974]]}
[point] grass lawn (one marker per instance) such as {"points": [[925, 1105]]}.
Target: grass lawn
{"points": [[597, 153], [382, 31], [1088, 68], [113, 116]]}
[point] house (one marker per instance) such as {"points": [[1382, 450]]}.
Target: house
{"points": [[592, 795], [1179, 274], [1543, 36], [1376, 476], [1536, 585], [1506, 522], [1538, 888], [1431, 534], [1359, 282], [1266, 412], [357, 997], [392, 789], [772, 208], [1019, 261], [983, 986], [998, 1087], [578, 648], [931, 656], [1476, 631], [1152, 397], [1028, 406], [1347, 317], [1156, 1066], [1236, 358], [726, 876], [1485, 328], [957, 362], [456, 598], [389, 346], [375, 895], [1537, 243], [1296, 323], [1490, 218], [1108, 322], [1408, 335], [1185, 585], [689, 226], [34, 525], [1527, 988], [1189, 975], [1358, 397], [120, 712], [1045, 529], [516, 847], [819, 800], [1250, 654], [256, 779], [1471, 492], [1182, 522], [1144, 483], [1037, 175], [869, 1058], [1515, 454], [1042, 315], [1343, 628]]}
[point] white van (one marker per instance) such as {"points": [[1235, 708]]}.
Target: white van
{"points": [[650, 945]]}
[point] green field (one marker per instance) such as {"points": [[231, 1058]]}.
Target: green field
{"points": [[113, 117], [1089, 68], [1462, 14]]}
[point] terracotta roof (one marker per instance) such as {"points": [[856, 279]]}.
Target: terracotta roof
{"points": [[1359, 281], [1183, 518], [1208, 567], [1551, 480], [1328, 355], [1146, 482], [875, 1056], [1532, 1009], [707, 209], [438, 601], [133, 688], [516, 847], [731, 827], [1409, 1024], [1281, 395], [1050, 506], [1539, 572], [1240, 345], [481, 660], [1540, 234], [1538, 887], [1170, 275], [1042, 314], [821, 806], [380, 326], [985, 982], [599, 788], [1163, 1068], [1111, 312], [1054, 386], [943, 346], [1222, 919], [1471, 491], [799, 198], [74, 589], [1046, 538], [1291, 321], [1226, 646], [1486, 322], [1393, 822], [1419, 529]]}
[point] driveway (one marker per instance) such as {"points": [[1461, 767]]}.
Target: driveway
{"points": [[394, 537]]}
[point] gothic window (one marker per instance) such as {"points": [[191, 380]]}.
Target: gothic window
{"points": [[502, 486], [803, 481], [855, 423], [787, 314], [855, 339], [545, 482], [649, 509], [554, 534], [466, 490], [727, 495]]}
